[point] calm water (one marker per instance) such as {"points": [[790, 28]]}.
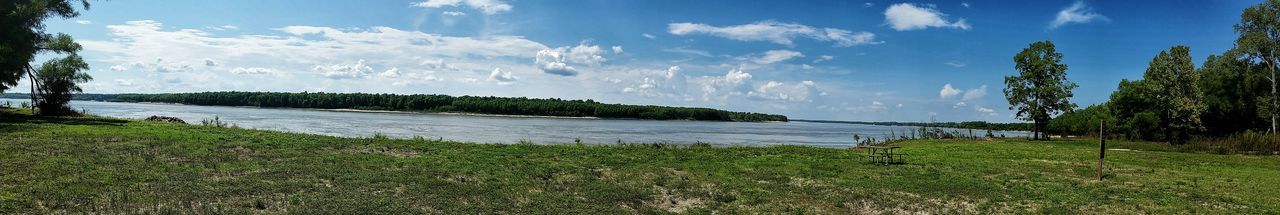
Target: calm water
{"points": [[489, 129]]}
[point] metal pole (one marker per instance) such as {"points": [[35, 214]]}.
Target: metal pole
{"points": [[1102, 145]]}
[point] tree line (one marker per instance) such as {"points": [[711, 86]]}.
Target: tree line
{"points": [[445, 103], [1230, 93], [979, 125]]}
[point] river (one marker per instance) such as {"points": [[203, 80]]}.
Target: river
{"points": [[503, 129]]}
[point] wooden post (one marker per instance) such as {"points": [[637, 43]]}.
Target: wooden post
{"points": [[1102, 145]]}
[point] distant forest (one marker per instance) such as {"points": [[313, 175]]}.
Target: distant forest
{"points": [[981, 125], [434, 103]]}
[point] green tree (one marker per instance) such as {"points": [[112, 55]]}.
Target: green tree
{"points": [[1041, 89], [1171, 80], [59, 78], [1259, 37], [22, 37], [1231, 87]]}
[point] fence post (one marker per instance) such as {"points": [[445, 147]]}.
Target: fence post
{"points": [[1102, 145]]}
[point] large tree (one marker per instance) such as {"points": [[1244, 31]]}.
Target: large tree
{"points": [[23, 36], [1259, 37], [1041, 89], [1171, 80]]}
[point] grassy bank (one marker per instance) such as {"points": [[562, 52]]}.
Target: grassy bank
{"points": [[115, 166]]}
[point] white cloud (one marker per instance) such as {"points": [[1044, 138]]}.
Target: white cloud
{"points": [[948, 91], [658, 83], [617, 49], [773, 90], [252, 71], [774, 56], [489, 7], [390, 73], [975, 93], [776, 32], [453, 13], [344, 71], [906, 17], [157, 66], [503, 78], [806, 66], [824, 58], [84, 22], [868, 4], [959, 104], [647, 35], [955, 64], [981, 109], [964, 4], [210, 62], [552, 61], [732, 83], [1077, 13]]}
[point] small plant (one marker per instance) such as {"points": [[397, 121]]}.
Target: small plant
{"points": [[700, 144], [25, 105], [216, 122], [380, 136]]}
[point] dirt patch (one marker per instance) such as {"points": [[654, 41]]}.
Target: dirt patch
{"points": [[673, 202]]}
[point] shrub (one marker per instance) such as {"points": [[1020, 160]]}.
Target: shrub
{"points": [[1248, 142]]}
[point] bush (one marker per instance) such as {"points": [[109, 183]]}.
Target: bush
{"points": [[1248, 142]]}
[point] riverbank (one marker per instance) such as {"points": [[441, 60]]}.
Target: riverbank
{"points": [[111, 165]]}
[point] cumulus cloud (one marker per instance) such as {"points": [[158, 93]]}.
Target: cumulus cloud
{"points": [[84, 22], [959, 104], [252, 71], [453, 13], [776, 32], [906, 17], [489, 7], [732, 83], [1077, 13], [344, 71], [556, 61], [975, 93], [948, 91], [617, 49], [657, 83], [552, 61], [773, 90], [503, 78], [774, 56], [210, 62]]}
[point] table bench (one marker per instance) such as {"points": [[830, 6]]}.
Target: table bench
{"points": [[885, 155]]}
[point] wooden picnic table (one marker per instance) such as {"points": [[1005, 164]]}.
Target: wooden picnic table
{"points": [[885, 155]]}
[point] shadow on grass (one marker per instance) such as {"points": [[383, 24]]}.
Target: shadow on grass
{"points": [[11, 120]]}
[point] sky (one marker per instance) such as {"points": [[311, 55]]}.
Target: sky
{"points": [[829, 60]]}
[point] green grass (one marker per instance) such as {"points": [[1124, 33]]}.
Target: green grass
{"points": [[89, 164]]}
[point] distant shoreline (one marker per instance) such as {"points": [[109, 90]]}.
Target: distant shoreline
{"points": [[453, 113]]}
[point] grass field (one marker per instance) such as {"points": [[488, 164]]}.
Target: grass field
{"points": [[54, 165]]}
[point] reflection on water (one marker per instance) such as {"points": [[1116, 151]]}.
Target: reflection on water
{"points": [[489, 129]]}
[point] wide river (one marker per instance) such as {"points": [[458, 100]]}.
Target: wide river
{"points": [[501, 129]]}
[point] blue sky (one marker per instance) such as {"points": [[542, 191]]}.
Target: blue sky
{"points": [[841, 60]]}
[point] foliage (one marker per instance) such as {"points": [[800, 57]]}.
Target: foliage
{"points": [[111, 166], [980, 125], [1248, 142], [22, 34], [1041, 89], [59, 78], [1171, 80], [1083, 121], [1259, 39], [444, 103], [1232, 88]]}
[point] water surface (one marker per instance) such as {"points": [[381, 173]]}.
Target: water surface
{"points": [[500, 129]]}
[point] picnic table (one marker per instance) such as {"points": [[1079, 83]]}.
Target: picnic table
{"points": [[885, 155]]}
